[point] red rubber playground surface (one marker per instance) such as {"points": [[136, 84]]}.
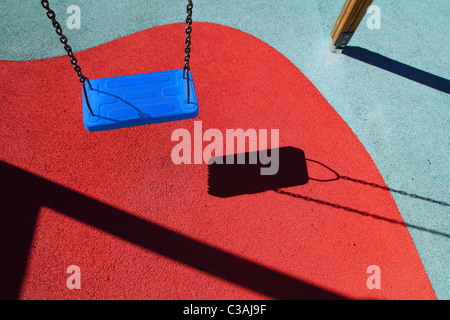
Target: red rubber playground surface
{"points": [[141, 227]]}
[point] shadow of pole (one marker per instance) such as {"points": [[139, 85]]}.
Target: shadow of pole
{"points": [[401, 69], [23, 193]]}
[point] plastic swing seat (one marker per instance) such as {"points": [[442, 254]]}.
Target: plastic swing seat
{"points": [[134, 100], [128, 101]]}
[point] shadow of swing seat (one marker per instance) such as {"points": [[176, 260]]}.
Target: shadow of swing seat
{"points": [[134, 100], [236, 174]]}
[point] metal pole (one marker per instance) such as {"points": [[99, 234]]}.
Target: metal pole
{"points": [[348, 21]]}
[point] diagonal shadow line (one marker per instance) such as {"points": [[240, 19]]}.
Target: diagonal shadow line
{"points": [[403, 193], [337, 176], [401, 69], [363, 213], [17, 183]]}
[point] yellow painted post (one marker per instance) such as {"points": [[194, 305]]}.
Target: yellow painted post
{"points": [[348, 21]]}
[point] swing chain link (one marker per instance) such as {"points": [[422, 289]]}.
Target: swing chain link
{"points": [[187, 50], [63, 39], [52, 16]]}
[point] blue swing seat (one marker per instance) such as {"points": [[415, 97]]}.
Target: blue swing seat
{"points": [[135, 100]]}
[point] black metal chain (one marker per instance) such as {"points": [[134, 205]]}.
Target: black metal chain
{"points": [[187, 50], [52, 16]]}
